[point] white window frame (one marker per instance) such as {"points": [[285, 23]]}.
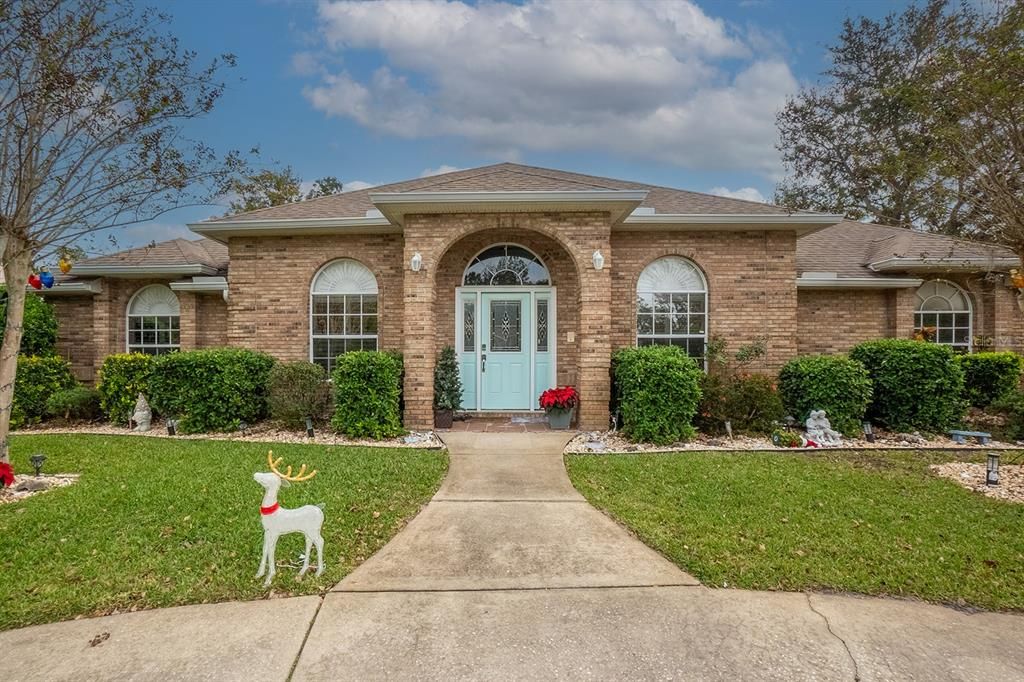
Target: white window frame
{"points": [[654, 336], [350, 288], [174, 314], [969, 311], [472, 260]]}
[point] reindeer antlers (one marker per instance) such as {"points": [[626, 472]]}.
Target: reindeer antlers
{"points": [[287, 475]]}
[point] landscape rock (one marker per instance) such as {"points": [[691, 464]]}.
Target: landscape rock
{"points": [[32, 485]]}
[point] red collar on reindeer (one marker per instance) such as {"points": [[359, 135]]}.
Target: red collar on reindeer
{"points": [[267, 511]]}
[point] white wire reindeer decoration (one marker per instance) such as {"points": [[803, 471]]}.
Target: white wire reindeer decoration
{"points": [[277, 521]]}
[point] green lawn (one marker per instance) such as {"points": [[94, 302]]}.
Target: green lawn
{"points": [[157, 522], [876, 523]]}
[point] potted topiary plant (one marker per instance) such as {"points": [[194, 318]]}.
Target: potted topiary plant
{"points": [[559, 404], [447, 389]]}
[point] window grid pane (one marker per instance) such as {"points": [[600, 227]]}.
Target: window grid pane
{"points": [[673, 319], [948, 329], [342, 323], [153, 334]]}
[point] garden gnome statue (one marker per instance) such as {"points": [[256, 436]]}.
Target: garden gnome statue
{"points": [[143, 416], [820, 430]]}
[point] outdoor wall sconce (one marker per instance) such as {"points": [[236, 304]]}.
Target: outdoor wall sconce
{"points": [[37, 462], [869, 435], [172, 427], [598, 260], [992, 469], [309, 427], [416, 262]]}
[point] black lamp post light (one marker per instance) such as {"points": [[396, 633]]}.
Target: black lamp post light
{"points": [[869, 434], [992, 469], [37, 462], [309, 427], [172, 427]]}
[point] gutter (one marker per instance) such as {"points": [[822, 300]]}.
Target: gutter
{"points": [[142, 270], [69, 288], [821, 282], [901, 263], [203, 285]]}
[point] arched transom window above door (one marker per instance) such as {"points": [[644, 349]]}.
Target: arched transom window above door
{"points": [[672, 306], [943, 314], [343, 311], [506, 265]]}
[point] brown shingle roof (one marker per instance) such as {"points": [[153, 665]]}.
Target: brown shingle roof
{"points": [[847, 248], [506, 177], [174, 252]]}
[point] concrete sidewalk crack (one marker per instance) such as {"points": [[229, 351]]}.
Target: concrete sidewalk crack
{"points": [[305, 638], [828, 625]]}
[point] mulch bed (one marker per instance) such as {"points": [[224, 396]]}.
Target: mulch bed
{"points": [[972, 477]]}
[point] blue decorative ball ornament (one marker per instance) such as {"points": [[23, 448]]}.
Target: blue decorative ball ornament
{"points": [[46, 278]]}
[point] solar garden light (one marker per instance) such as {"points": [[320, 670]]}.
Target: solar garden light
{"points": [[37, 462], [869, 435], [243, 427], [309, 427], [992, 469], [172, 427]]}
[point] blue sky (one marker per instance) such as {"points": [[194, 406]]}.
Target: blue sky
{"points": [[681, 93]]}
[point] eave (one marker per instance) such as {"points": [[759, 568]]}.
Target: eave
{"points": [[834, 282], [904, 264], [223, 230], [86, 288], [801, 223], [138, 271]]}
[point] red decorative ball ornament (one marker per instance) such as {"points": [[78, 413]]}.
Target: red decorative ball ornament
{"points": [[6, 475], [35, 282]]}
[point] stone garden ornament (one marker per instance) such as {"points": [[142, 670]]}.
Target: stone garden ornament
{"points": [[278, 521], [143, 416], [819, 430]]}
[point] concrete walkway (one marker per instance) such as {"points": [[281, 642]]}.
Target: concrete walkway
{"points": [[509, 574]]}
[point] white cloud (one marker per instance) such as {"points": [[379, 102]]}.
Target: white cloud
{"points": [[658, 80], [443, 168], [745, 193], [304, 64], [356, 185]]}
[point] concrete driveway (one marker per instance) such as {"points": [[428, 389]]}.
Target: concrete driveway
{"points": [[509, 574]]}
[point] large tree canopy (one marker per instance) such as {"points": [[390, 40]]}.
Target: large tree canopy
{"points": [[267, 187]]}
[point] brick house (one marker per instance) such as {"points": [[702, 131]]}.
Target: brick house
{"points": [[535, 276]]}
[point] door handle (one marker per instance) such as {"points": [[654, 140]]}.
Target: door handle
{"points": [[483, 363]]}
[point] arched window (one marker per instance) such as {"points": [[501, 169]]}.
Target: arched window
{"points": [[343, 311], [943, 314], [672, 306], [506, 265], [154, 321]]}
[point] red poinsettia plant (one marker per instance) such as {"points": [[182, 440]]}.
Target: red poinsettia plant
{"points": [[562, 398], [6, 475]]}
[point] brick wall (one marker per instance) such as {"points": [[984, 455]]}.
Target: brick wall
{"points": [[212, 320], [270, 279], [751, 284], [75, 334], [835, 320]]}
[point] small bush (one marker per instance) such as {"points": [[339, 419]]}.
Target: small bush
{"points": [[39, 327], [211, 390], [658, 389], [39, 377], [833, 383], [80, 403], [989, 376], [1011, 407], [917, 385], [121, 378], [367, 394], [750, 402], [447, 383], [298, 390]]}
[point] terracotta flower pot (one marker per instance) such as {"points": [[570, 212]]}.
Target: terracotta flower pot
{"points": [[443, 418]]}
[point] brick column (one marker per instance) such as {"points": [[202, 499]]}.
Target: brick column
{"points": [[418, 333], [595, 347], [102, 324], [901, 322], [189, 319]]}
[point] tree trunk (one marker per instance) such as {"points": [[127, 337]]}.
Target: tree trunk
{"points": [[17, 267]]}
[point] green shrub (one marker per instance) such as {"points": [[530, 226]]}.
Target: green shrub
{"points": [[447, 383], [917, 385], [211, 390], [658, 389], [39, 335], [989, 376], [367, 394], [39, 377], [121, 378], [1011, 407], [298, 390], [80, 403], [833, 383], [750, 402]]}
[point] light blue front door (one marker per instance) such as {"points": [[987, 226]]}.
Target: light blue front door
{"points": [[505, 367]]}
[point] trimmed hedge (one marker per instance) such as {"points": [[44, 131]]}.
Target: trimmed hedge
{"points": [[298, 390], [367, 394], [39, 327], [121, 378], [833, 383], [39, 377], [750, 402], [917, 385], [211, 390], [1011, 407], [990, 376], [658, 390], [80, 403]]}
